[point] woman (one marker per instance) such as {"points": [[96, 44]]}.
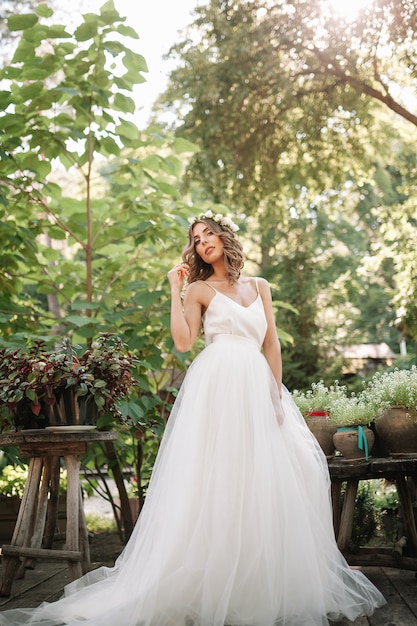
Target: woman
{"points": [[237, 528]]}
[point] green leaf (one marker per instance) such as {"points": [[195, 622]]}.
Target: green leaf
{"points": [[146, 298], [23, 51], [43, 10], [124, 103], [110, 146], [22, 22], [128, 130], [168, 189], [55, 232], [286, 305], [98, 384], [77, 320], [58, 31], [30, 394], [80, 305], [32, 90], [85, 31], [152, 162], [183, 145], [5, 99], [127, 31], [134, 62]]}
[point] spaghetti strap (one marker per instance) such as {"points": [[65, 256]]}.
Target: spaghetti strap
{"points": [[257, 286], [206, 283]]}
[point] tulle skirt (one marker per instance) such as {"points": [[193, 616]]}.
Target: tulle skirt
{"points": [[237, 526]]}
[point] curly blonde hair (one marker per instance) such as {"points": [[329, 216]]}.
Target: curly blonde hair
{"points": [[233, 253]]}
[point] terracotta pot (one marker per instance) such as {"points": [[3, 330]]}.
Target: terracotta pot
{"points": [[323, 430], [347, 442], [396, 427]]}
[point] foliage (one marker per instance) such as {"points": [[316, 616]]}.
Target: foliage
{"points": [[36, 379], [13, 480], [385, 495], [82, 251], [253, 120], [315, 161], [319, 397], [99, 524], [91, 240], [393, 388]]}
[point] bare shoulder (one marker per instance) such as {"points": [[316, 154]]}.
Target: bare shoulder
{"points": [[199, 292], [253, 280], [263, 284]]}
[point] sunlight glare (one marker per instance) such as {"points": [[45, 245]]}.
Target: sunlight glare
{"points": [[347, 9]]}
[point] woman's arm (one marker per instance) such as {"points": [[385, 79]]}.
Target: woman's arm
{"points": [[185, 322], [271, 346]]}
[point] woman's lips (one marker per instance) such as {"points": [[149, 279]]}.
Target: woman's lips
{"points": [[208, 250]]}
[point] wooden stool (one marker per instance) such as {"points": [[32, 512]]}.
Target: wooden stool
{"points": [[36, 522]]}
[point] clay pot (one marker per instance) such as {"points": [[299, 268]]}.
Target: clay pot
{"points": [[323, 430], [347, 442], [396, 427]]}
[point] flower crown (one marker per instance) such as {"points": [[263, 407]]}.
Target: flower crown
{"points": [[219, 219]]}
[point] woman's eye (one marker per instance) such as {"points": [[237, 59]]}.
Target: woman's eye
{"points": [[196, 242]]}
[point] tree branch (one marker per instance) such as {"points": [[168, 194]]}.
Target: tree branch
{"points": [[332, 67]]}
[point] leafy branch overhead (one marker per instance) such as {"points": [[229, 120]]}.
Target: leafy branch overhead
{"points": [[86, 198]]}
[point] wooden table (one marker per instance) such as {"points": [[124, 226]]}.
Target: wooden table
{"points": [[36, 522], [401, 470]]}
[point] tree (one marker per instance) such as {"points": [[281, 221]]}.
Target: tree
{"points": [[289, 140], [89, 205], [373, 55]]}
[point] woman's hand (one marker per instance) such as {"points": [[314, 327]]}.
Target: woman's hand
{"points": [[177, 275]]}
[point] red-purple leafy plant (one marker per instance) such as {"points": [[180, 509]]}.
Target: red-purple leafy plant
{"points": [[32, 380]]}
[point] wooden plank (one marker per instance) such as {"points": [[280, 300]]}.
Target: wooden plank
{"points": [[53, 449], [45, 584], [42, 553], [405, 584], [42, 436], [35, 587], [396, 611], [73, 530], [346, 520], [374, 468], [381, 559], [410, 529]]}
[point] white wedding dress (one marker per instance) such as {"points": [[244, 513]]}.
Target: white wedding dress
{"points": [[237, 524]]}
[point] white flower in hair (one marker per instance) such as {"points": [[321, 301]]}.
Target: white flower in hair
{"points": [[219, 219]]}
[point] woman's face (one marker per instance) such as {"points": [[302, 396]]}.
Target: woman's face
{"points": [[208, 245]]}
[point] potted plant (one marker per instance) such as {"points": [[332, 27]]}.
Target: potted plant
{"points": [[395, 395], [63, 386], [314, 404], [351, 416]]}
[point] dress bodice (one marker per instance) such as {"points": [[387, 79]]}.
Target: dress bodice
{"points": [[225, 316]]}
